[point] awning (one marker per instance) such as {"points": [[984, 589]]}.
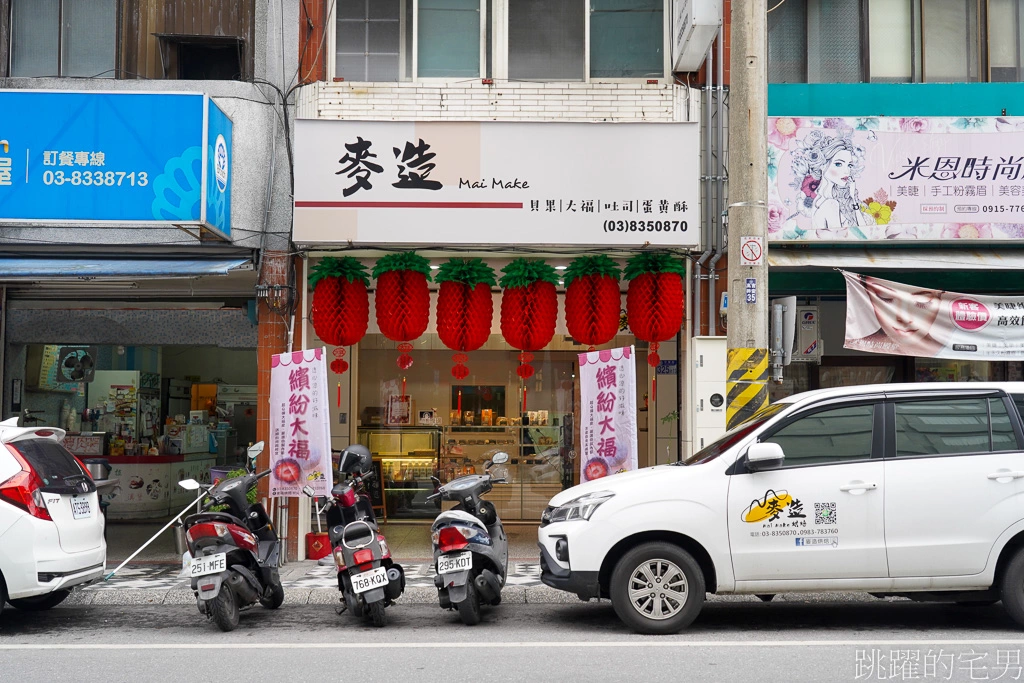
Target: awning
{"points": [[116, 269], [891, 258]]}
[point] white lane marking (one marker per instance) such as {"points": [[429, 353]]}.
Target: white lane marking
{"points": [[509, 645]]}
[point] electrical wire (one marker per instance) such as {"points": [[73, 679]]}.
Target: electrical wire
{"points": [[781, 3]]}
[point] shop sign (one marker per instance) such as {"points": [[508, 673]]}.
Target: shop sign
{"points": [[889, 317], [498, 183], [885, 178], [70, 158], [300, 436], [608, 429]]}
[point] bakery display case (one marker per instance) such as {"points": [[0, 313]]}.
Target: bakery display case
{"points": [[405, 460]]}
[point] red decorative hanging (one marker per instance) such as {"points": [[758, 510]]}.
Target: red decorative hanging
{"points": [[464, 308], [592, 300], [404, 359], [341, 306], [339, 366], [654, 300], [525, 370], [402, 298], [529, 307]]}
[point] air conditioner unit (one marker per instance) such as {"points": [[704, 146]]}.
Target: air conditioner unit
{"points": [[695, 26]]}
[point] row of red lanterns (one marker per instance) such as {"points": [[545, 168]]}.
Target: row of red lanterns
{"points": [[529, 304]]}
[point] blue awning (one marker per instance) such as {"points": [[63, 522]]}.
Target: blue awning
{"points": [[89, 268]]}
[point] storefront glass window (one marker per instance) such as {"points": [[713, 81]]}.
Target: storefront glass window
{"points": [[936, 370]]}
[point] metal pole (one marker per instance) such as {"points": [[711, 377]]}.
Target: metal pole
{"points": [[747, 381]]}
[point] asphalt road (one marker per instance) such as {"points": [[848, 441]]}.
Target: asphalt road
{"points": [[733, 640]]}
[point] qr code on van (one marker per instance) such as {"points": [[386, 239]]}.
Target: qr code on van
{"points": [[824, 513]]}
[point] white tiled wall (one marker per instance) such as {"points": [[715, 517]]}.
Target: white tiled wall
{"points": [[511, 101]]}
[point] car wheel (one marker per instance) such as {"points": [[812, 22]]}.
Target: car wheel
{"points": [[657, 588], [38, 603], [1011, 588], [3, 594], [224, 609]]}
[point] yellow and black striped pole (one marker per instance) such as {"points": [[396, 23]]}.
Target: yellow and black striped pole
{"points": [[747, 384]]}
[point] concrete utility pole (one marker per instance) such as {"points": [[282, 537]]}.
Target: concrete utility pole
{"points": [[747, 381]]}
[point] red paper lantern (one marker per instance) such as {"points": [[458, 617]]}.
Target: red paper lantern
{"points": [[592, 300], [529, 307], [654, 300], [402, 299], [341, 306], [464, 308]]}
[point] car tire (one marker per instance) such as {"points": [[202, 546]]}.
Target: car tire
{"points": [[1011, 588], [39, 603], [976, 603], [647, 613], [224, 609], [3, 594]]}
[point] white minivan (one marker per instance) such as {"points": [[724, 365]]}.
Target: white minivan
{"points": [[51, 526], [899, 489]]}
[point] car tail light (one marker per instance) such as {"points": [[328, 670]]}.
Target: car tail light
{"points": [[347, 498], [453, 538], [22, 490], [207, 530], [243, 538], [363, 556]]}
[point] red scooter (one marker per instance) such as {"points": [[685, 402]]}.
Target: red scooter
{"points": [[369, 580]]}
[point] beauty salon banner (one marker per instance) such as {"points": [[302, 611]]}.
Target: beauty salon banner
{"points": [[300, 443], [883, 178], [889, 317], [608, 420]]}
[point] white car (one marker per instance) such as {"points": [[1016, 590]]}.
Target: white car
{"points": [[898, 489], [51, 527]]}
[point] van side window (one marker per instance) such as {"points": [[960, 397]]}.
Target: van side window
{"points": [[829, 436], [952, 426]]}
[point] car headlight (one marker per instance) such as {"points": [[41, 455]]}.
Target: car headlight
{"points": [[580, 508]]}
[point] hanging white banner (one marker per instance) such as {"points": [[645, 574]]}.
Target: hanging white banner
{"points": [[608, 439], [890, 317], [300, 444]]}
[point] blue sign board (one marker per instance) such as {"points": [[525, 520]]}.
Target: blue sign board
{"points": [[114, 158]]}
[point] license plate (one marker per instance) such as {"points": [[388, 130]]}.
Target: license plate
{"points": [[210, 564], [447, 564], [81, 508], [375, 578]]}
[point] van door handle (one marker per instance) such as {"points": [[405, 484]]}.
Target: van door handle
{"points": [[858, 486], [1006, 474]]}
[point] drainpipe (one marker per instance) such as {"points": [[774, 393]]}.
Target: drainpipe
{"points": [[706, 209], [720, 171], [715, 180]]}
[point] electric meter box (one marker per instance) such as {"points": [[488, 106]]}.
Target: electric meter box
{"points": [[694, 29], [710, 366]]}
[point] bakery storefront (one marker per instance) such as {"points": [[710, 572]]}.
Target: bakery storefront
{"points": [[903, 259], [456, 286]]}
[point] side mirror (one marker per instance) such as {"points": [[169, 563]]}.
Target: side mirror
{"points": [[308, 490], [764, 456], [499, 458], [189, 484], [255, 449]]}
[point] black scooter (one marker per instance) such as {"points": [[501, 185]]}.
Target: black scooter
{"points": [[234, 552]]}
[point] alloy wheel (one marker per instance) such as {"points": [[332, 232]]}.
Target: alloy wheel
{"points": [[657, 589]]}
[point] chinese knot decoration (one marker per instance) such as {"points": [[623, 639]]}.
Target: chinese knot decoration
{"points": [[592, 300], [464, 308], [654, 300], [341, 305], [402, 299], [529, 308]]}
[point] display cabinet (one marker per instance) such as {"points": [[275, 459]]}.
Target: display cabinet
{"points": [[405, 459]]}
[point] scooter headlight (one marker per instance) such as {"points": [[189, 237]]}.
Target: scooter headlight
{"points": [[582, 508]]}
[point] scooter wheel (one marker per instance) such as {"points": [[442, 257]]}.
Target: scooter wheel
{"points": [[469, 609], [224, 609], [377, 614], [275, 599]]}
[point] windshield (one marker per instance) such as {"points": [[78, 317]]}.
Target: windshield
{"points": [[734, 435]]}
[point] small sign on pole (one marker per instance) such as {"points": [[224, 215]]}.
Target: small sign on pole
{"points": [[751, 251]]}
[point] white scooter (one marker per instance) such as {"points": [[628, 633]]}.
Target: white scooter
{"points": [[470, 546]]}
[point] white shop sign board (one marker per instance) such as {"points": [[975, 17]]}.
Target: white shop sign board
{"points": [[497, 183]]}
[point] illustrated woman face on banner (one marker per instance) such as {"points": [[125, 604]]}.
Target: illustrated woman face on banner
{"points": [[906, 318], [826, 167]]}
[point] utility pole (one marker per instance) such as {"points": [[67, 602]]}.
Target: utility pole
{"points": [[747, 381]]}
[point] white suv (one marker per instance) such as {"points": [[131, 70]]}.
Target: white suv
{"points": [[898, 489], [51, 529]]}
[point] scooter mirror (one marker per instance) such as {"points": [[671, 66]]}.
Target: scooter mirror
{"points": [[255, 449], [189, 484], [499, 458], [308, 490]]}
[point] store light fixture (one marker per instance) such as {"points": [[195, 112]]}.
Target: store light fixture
{"points": [[560, 267]]}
